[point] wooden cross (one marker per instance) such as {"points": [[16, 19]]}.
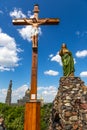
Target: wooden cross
{"points": [[35, 22]]}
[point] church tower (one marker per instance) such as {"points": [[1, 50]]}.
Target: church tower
{"points": [[9, 92]]}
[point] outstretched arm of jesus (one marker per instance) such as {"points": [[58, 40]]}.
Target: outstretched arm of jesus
{"points": [[44, 21], [29, 22]]}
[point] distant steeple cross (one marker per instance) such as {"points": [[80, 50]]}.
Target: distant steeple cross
{"points": [[35, 22]]}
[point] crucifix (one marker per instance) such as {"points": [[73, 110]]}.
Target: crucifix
{"points": [[35, 22]]}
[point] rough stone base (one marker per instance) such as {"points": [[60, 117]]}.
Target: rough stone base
{"points": [[69, 111]]}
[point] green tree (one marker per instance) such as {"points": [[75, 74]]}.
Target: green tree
{"points": [[14, 116]]}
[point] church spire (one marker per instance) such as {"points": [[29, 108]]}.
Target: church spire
{"points": [[9, 92]]}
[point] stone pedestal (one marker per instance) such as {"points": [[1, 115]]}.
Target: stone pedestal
{"points": [[69, 111], [32, 116]]}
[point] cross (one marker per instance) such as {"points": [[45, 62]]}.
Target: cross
{"points": [[35, 23]]}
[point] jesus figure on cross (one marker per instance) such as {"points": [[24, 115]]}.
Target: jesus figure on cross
{"points": [[34, 32]]}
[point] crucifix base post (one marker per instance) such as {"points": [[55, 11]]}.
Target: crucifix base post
{"points": [[32, 116]]}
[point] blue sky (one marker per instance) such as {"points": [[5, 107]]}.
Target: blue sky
{"points": [[16, 46]]}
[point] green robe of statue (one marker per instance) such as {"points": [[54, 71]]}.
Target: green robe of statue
{"points": [[68, 63]]}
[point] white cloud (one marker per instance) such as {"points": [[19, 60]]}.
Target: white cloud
{"points": [[82, 53], [78, 33], [81, 33], [16, 93], [51, 73], [26, 32], [19, 93], [51, 55], [1, 12], [48, 93], [30, 15], [3, 93], [83, 74], [17, 13], [56, 58], [8, 52], [74, 61]]}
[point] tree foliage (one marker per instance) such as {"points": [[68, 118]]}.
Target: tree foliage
{"points": [[45, 114], [14, 116]]}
